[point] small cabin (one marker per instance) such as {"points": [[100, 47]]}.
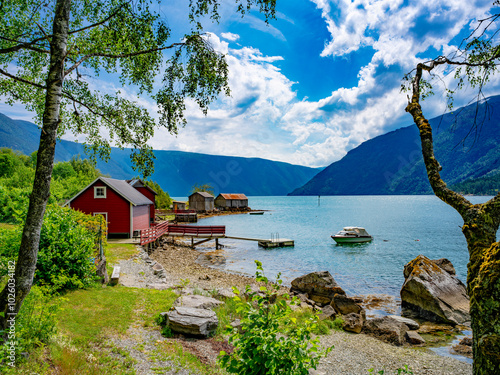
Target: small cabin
{"points": [[231, 201], [125, 208], [148, 193], [201, 201], [178, 206]]}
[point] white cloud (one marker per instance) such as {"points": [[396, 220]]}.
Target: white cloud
{"points": [[230, 36]]}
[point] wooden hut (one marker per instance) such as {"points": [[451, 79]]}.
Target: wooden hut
{"points": [[201, 201], [178, 206], [124, 208], [231, 201]]}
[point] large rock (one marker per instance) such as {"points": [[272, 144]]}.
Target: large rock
{"points": [[345, 305], [197, 302], [386, 329], [433, 293], [319, 286], [353, 322], [191, 321]]}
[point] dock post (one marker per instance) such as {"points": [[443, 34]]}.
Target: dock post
{"points": [[216, 244]]}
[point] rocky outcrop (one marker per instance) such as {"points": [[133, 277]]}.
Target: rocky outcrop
{"points": [[413, 325], [434, 293], [319, 286], [191, 321], [386, 329]]}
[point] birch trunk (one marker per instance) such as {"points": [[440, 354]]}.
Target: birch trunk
{"points": [[481, 222], [28, 252]]}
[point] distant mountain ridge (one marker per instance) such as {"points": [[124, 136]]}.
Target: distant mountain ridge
{"points": [[175, 171], [392, 163]]}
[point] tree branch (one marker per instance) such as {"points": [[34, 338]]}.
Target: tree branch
{"points": [[100, 22], [27, 45], [433, 167], [19, 79], [492, 207], [119, 56]]}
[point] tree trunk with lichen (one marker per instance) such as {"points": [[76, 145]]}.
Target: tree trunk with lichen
{"points": [[28, 252], [481, 223]]}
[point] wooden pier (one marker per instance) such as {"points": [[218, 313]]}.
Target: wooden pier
{"points": [[204, 234], [273, 242]]}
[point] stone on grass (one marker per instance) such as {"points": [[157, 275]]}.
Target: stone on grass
{"points": [[353, 322], [433, 293], [319, 286], [327, 312], [386, 329], [197, 302], [191, 321], [102, 271]]}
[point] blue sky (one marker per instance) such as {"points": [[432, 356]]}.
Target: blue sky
{"points": [[322, 78]]}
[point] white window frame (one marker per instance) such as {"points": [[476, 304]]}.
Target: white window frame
{"points": [[95, 192]]}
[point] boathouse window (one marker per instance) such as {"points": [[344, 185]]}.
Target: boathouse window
{"points": [[99, 191]]}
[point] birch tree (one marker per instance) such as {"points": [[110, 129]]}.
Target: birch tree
{"points": [[53, 51], [473, 65]]}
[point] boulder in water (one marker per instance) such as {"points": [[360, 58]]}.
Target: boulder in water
{"points": [[434, 293]]}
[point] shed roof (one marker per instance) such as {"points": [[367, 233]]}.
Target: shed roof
{"points": [[203, 194], [234, 196], [121, 187]]}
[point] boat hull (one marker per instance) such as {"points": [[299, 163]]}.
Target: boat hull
{"points": [[344, 239]]}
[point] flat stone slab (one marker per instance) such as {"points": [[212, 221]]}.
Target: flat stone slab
{"points": [[191, 321], [197, 302]]}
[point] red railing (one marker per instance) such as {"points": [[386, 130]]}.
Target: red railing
{"points": [[184, 211], [153, 233]]}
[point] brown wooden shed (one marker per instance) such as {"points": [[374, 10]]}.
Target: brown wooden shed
{"points": [[201, 201], [231, 201]]}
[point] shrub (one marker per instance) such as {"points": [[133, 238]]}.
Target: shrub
{"points": [[68, 245], [270, 341], [34, 326]]}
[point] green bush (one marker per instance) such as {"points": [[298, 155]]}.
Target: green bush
{"points": [[34, 326], [270, 340], [67, 248]]}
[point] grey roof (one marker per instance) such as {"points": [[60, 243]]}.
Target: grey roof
{"points": [[127, 191], [203, 194]]}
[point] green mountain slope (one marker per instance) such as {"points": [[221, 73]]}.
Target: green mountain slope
{"points": [[392, 163], [176, 171]]}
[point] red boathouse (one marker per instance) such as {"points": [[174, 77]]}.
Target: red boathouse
{"points": [[125, 208]]}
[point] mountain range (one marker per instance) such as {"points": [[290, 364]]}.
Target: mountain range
{"points": [[176, 171], [388, 164], [392, 163]]}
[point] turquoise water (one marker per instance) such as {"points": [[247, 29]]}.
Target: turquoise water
{"points": [[403, 227]]}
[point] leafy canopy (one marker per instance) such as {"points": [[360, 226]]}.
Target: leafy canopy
{"points": [[127, 39]]}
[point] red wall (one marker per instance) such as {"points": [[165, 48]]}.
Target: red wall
{"points": [[151, 196], [115, 205], [141, 217]]}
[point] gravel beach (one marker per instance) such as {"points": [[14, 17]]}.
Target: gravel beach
{"points": [[352, 354]]}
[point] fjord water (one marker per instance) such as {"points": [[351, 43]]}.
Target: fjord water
{"points": [[402, 226]]}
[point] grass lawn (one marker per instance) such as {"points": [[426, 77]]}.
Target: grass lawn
{"points": [[119, 251]]}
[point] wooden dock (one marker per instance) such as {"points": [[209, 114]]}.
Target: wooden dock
{"points": [[280, 242], [273, 242]]}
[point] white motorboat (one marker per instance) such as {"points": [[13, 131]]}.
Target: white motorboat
{"points": [[352, 235]]}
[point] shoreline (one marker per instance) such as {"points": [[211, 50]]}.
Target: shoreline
{"points": [[352, 354]]}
